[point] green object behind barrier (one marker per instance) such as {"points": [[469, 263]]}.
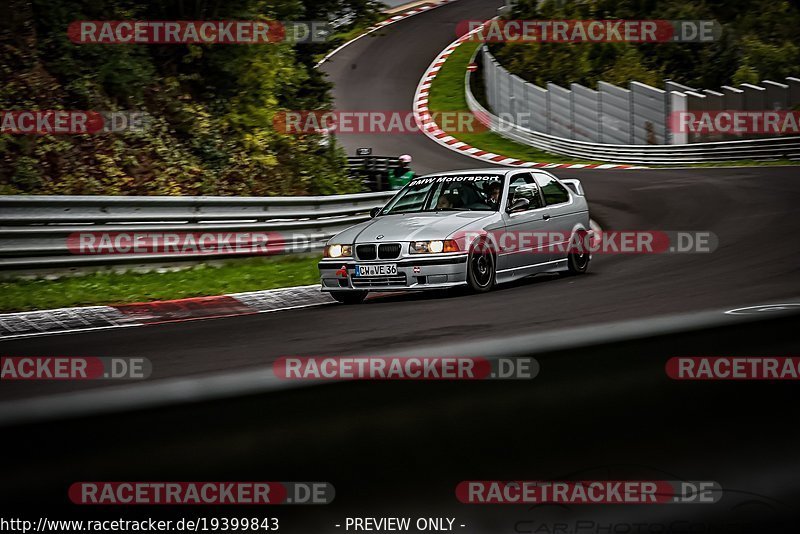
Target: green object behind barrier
{"points": [[397, 182]]}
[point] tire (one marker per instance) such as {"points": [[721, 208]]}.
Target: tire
{"points": [[349, 297], [481, 268], [577, 261]]}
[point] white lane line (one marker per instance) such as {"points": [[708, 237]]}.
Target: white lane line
{"points": [[766, 308]]}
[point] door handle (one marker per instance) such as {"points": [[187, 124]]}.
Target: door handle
{"points": [[545, 217]]}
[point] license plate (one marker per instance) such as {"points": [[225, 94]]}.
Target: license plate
{"points": [[386, 269]]}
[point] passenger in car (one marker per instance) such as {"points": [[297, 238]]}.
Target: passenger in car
{"points": [[443, 203], [449, 200]]}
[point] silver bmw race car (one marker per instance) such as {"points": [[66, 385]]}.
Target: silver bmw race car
{"points": [[473, 228]]}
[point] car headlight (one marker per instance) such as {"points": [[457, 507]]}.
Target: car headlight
{"points": [[433, 247], [337, 251]]}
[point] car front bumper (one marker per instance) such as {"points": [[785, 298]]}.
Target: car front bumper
{"points": [[413, 273]]}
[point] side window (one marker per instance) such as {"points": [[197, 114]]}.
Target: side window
{"points": [[524, 186], [553, 192]]}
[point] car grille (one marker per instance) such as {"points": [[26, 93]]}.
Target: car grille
{"points": [[388, 251], [366, 252], [379, 281], [384, 251]]}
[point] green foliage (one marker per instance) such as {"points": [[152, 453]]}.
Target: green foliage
{"points": [[759, 41], [211, 107], [745, 74]]}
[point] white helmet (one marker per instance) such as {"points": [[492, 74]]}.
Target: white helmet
{"points": [[405, 158]]}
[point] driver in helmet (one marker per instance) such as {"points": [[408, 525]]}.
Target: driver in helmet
{"points": [[493, 190]]}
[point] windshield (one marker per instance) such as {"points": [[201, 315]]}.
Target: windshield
{"points": [[467, 192]]}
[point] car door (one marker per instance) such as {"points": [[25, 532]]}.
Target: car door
{"points": [[560, 212], [522, 246]]}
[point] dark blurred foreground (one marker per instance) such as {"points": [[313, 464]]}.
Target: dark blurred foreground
{"points": [[399, 449]]}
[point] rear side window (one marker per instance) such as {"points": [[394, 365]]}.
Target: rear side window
{"points": [[524, 186], [553, 192], [529, 192]]}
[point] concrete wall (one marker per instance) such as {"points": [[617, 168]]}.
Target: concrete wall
{"points": [[615, 115]]}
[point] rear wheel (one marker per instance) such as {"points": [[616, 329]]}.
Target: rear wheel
{"points": [[349, 297], [481, 268]]}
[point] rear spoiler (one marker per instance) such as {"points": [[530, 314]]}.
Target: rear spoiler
{"points": [[574, 184]]}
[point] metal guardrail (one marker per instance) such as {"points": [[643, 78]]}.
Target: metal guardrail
{"points": [[750, 149], [34, 230]]}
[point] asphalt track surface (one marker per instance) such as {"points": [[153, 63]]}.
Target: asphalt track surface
{"points": [[380, 73], [752, 211], [592, 408]]}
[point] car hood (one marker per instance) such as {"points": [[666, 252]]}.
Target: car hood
{"points": [[410, 226]]}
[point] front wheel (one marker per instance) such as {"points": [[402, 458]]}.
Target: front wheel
{"points": [[481, 268], [578, 259], [349, 297]]}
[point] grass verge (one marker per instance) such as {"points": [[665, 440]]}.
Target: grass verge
{"points": [[235, 276], [447, 94]]}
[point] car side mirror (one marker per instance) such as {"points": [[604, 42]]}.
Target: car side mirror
{"points": [[519, 204], [374, 212]]}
